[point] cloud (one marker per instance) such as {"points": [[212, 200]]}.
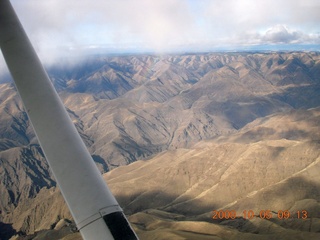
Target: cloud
{"points": [[116, 22], [281, 34], [58, 26], [276, 35]]}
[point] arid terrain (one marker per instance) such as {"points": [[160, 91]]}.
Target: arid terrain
{"points": [[178, 137]]}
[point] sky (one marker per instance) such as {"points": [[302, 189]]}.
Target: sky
{"points": [[60, 27]]}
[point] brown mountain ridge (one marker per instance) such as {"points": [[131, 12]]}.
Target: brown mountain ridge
{"points": [[172, 195], [219, 129]]}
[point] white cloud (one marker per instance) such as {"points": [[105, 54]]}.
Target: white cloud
{"points": [[78, 22], [277, 34], [281, 34], [56, 25]]}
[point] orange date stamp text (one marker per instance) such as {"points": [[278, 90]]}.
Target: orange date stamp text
{"points": [[264, 214]]}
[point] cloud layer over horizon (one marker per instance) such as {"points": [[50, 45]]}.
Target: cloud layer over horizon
{"points": [[167, 24]]}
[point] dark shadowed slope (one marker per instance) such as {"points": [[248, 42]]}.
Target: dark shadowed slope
{"points": [[173, 194], [246, 122]]}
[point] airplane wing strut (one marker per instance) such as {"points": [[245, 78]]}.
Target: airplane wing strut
{"points": [[92, 205]]}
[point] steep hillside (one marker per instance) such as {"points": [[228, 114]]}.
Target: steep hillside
{"points": [[132, 107], [173, 195], [180, 100], [238, 111]]}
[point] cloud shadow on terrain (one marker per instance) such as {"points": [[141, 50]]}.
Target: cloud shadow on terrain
{"points": [[295, 195], [281, 196], [152, 211], [300, 96]]}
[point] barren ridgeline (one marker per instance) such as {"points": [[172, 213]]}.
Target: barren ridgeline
{"points": [[193, 146]]}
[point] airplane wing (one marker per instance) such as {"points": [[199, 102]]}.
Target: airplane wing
{"points": [[92, 205]]}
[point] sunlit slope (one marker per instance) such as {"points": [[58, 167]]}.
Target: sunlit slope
{"points": [[132, 107], [172, 195], [228, 131], [275, 174]]}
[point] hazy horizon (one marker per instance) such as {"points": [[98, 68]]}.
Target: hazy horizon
{"points": [[57, 28]]}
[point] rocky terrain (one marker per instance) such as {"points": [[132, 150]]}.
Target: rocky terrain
{"points": [[237, 131]]}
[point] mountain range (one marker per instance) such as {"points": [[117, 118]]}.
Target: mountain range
{"points": [[177, 137]]}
